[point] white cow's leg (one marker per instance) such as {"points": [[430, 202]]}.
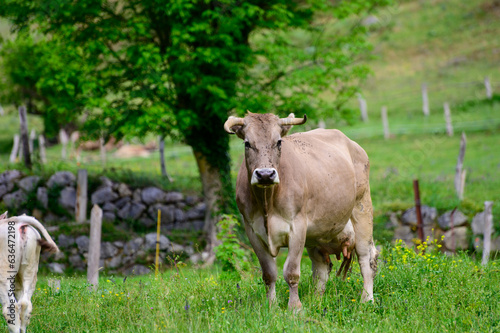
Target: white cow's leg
{"points": [[28, 276], [321, 267], [291, 270], [10, 307], [267, 263], [362, 217]]}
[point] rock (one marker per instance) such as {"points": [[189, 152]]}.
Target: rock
{"points": [[15, 199], [123, 190], [9, 176], [147, 221], [106, 182], [137, 270], [369, 21], [197, 225], [76, 261], [133, 246], [167, 213], [191, 200], [119, 244], [173, 197], [3, 190], [51, 218], [102, 195], [459, 219], [42, 196], [179, 215], [176, 248], [59, 256], [429, 215], [108, 250], [83, 243], [151, 242], [62, 179], [38, 214], [64, 241], [28, 184], [108, 216], [67, 199], [152, 195], [478, 224], [108, 206], [120, 203], [195, 258], [56, 268], [197, 212], [404, 233], [114, 262], [131, 211], [137, 195], [458, 240]]}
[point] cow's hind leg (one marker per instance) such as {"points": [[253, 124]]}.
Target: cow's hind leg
{"points": [[267, 263], [321, 267], [362, 217], [10, 307]]}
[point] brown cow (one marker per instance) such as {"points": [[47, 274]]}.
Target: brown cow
{"points": [[301, 191]]}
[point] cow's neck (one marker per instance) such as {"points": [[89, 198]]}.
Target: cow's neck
{"points": [[264, 198]]}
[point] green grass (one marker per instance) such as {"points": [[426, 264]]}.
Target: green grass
{"points": [[413, 293]]}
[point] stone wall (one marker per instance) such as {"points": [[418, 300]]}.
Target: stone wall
{"points": [[466, 234]]}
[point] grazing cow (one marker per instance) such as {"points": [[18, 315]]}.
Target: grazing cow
{"points": [[20, 245], [302, 191]]}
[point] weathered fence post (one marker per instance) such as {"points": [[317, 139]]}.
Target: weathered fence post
{"points": [[73, 138], [1, 111], [81, 196], [157, 257], [41, 144], [94, 246], [385, 122], [425, 100], [103, 151], [321, 124], [488, 228], [420, 226], [363, 108], [459, 172], [32, 140], [487, 86], [63, 139], [447, 118], [162, 159], [23, 120], [15, 149]]}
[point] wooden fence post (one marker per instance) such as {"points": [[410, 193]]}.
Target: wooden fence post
{"points": [[94, 246], [103, 151], [447, 118], [488, 228], [23, 120], [81, 196], [32, 140], [63, 139], [385, 122], [1, 111], [459, 172], [15, 149], [162, 159], [41, 144], [425, 100], [487, 86], [363, 108], [418, 211]]}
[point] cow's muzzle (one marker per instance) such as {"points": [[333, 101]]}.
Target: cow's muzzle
{"points": [[265, 177]]}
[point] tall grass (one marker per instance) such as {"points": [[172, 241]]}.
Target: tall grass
{"points": [[413, 292]]}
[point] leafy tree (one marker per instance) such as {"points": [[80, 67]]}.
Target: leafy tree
{"points": [[179, 67]]}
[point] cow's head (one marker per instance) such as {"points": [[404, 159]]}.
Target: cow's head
{"points": [[262, 135]]}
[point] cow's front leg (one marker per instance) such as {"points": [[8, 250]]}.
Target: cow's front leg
{"points": [[267, 263], [321, 267], [291, 271]]}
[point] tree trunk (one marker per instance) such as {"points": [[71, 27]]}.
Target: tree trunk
{"points": [[212, 184]]}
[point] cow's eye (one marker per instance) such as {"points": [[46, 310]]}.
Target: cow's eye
{"points": [[247, 145], [279, 144]]}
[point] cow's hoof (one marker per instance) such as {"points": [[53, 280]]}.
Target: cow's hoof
{"points": [[295, 306]]}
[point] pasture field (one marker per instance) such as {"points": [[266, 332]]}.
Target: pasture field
{"points": [[429, 292]]}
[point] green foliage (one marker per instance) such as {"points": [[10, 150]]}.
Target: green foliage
{"points": [[229, 253]]}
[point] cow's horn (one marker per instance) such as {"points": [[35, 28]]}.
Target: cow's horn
{"points": [[233, 121], [292, 121]]}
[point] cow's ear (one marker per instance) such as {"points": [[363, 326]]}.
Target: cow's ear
{"points": [[238, 130], [3, 216]]}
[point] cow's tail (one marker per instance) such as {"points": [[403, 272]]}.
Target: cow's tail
{"points": [[345, 266], [47, 244]]}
